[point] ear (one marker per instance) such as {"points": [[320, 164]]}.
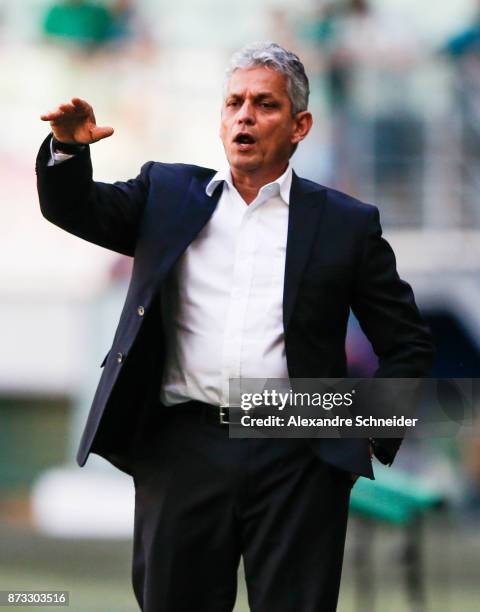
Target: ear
{"points": [[222, 116], [303, 122]]}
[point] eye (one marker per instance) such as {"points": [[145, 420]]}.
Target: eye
{"points": [[267, 104]]}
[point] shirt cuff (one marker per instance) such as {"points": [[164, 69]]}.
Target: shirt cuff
{"points": [[56, 157]]}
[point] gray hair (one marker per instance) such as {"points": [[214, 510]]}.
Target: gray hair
{"points": [[276, 57]]}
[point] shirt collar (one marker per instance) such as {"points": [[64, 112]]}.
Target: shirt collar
{"points": [[280, 186]]}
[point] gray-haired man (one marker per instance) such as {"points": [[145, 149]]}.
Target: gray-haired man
{"points": [[248, 272]]}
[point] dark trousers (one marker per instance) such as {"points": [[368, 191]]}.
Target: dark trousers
{"points": [[203, 500]]}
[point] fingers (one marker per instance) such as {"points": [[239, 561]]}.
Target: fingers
{"points": [[63, 111], [75, 122], [67, 108], [82, 105], [102, 132], [76, 107], [51, 115]]}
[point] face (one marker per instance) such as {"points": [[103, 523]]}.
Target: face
{"points": [[257, 128]]}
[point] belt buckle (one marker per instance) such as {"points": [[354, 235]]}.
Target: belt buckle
{"points": [[227, 415], [223, 416]]}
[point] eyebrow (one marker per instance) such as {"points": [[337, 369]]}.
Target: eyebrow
{"points": [[260, 96]]}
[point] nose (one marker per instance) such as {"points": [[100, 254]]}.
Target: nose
{"points": [[246, 114]]}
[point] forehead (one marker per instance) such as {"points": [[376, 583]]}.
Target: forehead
{"points": [[259, 79]]}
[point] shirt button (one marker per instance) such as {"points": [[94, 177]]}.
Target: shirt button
{"points": [[140, 311], [119, 357]]}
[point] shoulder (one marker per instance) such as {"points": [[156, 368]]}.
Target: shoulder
{"points": [[348, 204], [176, 172], [337, 203]]}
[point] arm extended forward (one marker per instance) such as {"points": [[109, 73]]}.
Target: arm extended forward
{"points": [[106, 214]]}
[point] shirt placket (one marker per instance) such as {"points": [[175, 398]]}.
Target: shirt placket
{"points": [[240, 294]]}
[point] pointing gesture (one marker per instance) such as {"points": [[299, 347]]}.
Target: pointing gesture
{"points": [[75, 123]]}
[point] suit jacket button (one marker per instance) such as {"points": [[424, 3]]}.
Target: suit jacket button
{"points": [[140, 311], [119, 357]]}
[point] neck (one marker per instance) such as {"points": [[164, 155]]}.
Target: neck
{"points": [[249, 184]]}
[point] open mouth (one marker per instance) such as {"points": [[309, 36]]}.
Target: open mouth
{"points": [[244, 141]]}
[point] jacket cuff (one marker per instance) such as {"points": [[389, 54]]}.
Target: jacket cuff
{"points": [[63, 147]]}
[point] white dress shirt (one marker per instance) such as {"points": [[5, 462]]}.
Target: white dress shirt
{"points": [[57, 157], [225, 300]]}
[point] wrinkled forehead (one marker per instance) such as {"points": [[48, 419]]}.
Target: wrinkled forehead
{"points": [[257, 80]]}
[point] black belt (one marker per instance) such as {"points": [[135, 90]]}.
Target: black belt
{"points": [[214, 414]]}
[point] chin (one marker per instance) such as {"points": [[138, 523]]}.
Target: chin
{"points": [[243, 165]]}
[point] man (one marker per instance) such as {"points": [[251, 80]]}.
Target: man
{"points": [[247, 272]]}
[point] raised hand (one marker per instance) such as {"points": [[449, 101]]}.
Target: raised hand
{"points": [[75, 123]]}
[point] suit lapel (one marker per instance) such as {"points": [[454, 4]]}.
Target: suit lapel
{"points": [[305, 211], [197, 210], [184, 224]]}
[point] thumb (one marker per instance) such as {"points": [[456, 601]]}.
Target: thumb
{"points": [[98, 133]]}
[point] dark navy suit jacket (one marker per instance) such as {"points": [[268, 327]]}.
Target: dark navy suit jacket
{"points": [[336, 260]]}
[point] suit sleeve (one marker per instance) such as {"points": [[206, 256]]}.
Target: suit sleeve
{"points": [[385, 308], [106, 214]]}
